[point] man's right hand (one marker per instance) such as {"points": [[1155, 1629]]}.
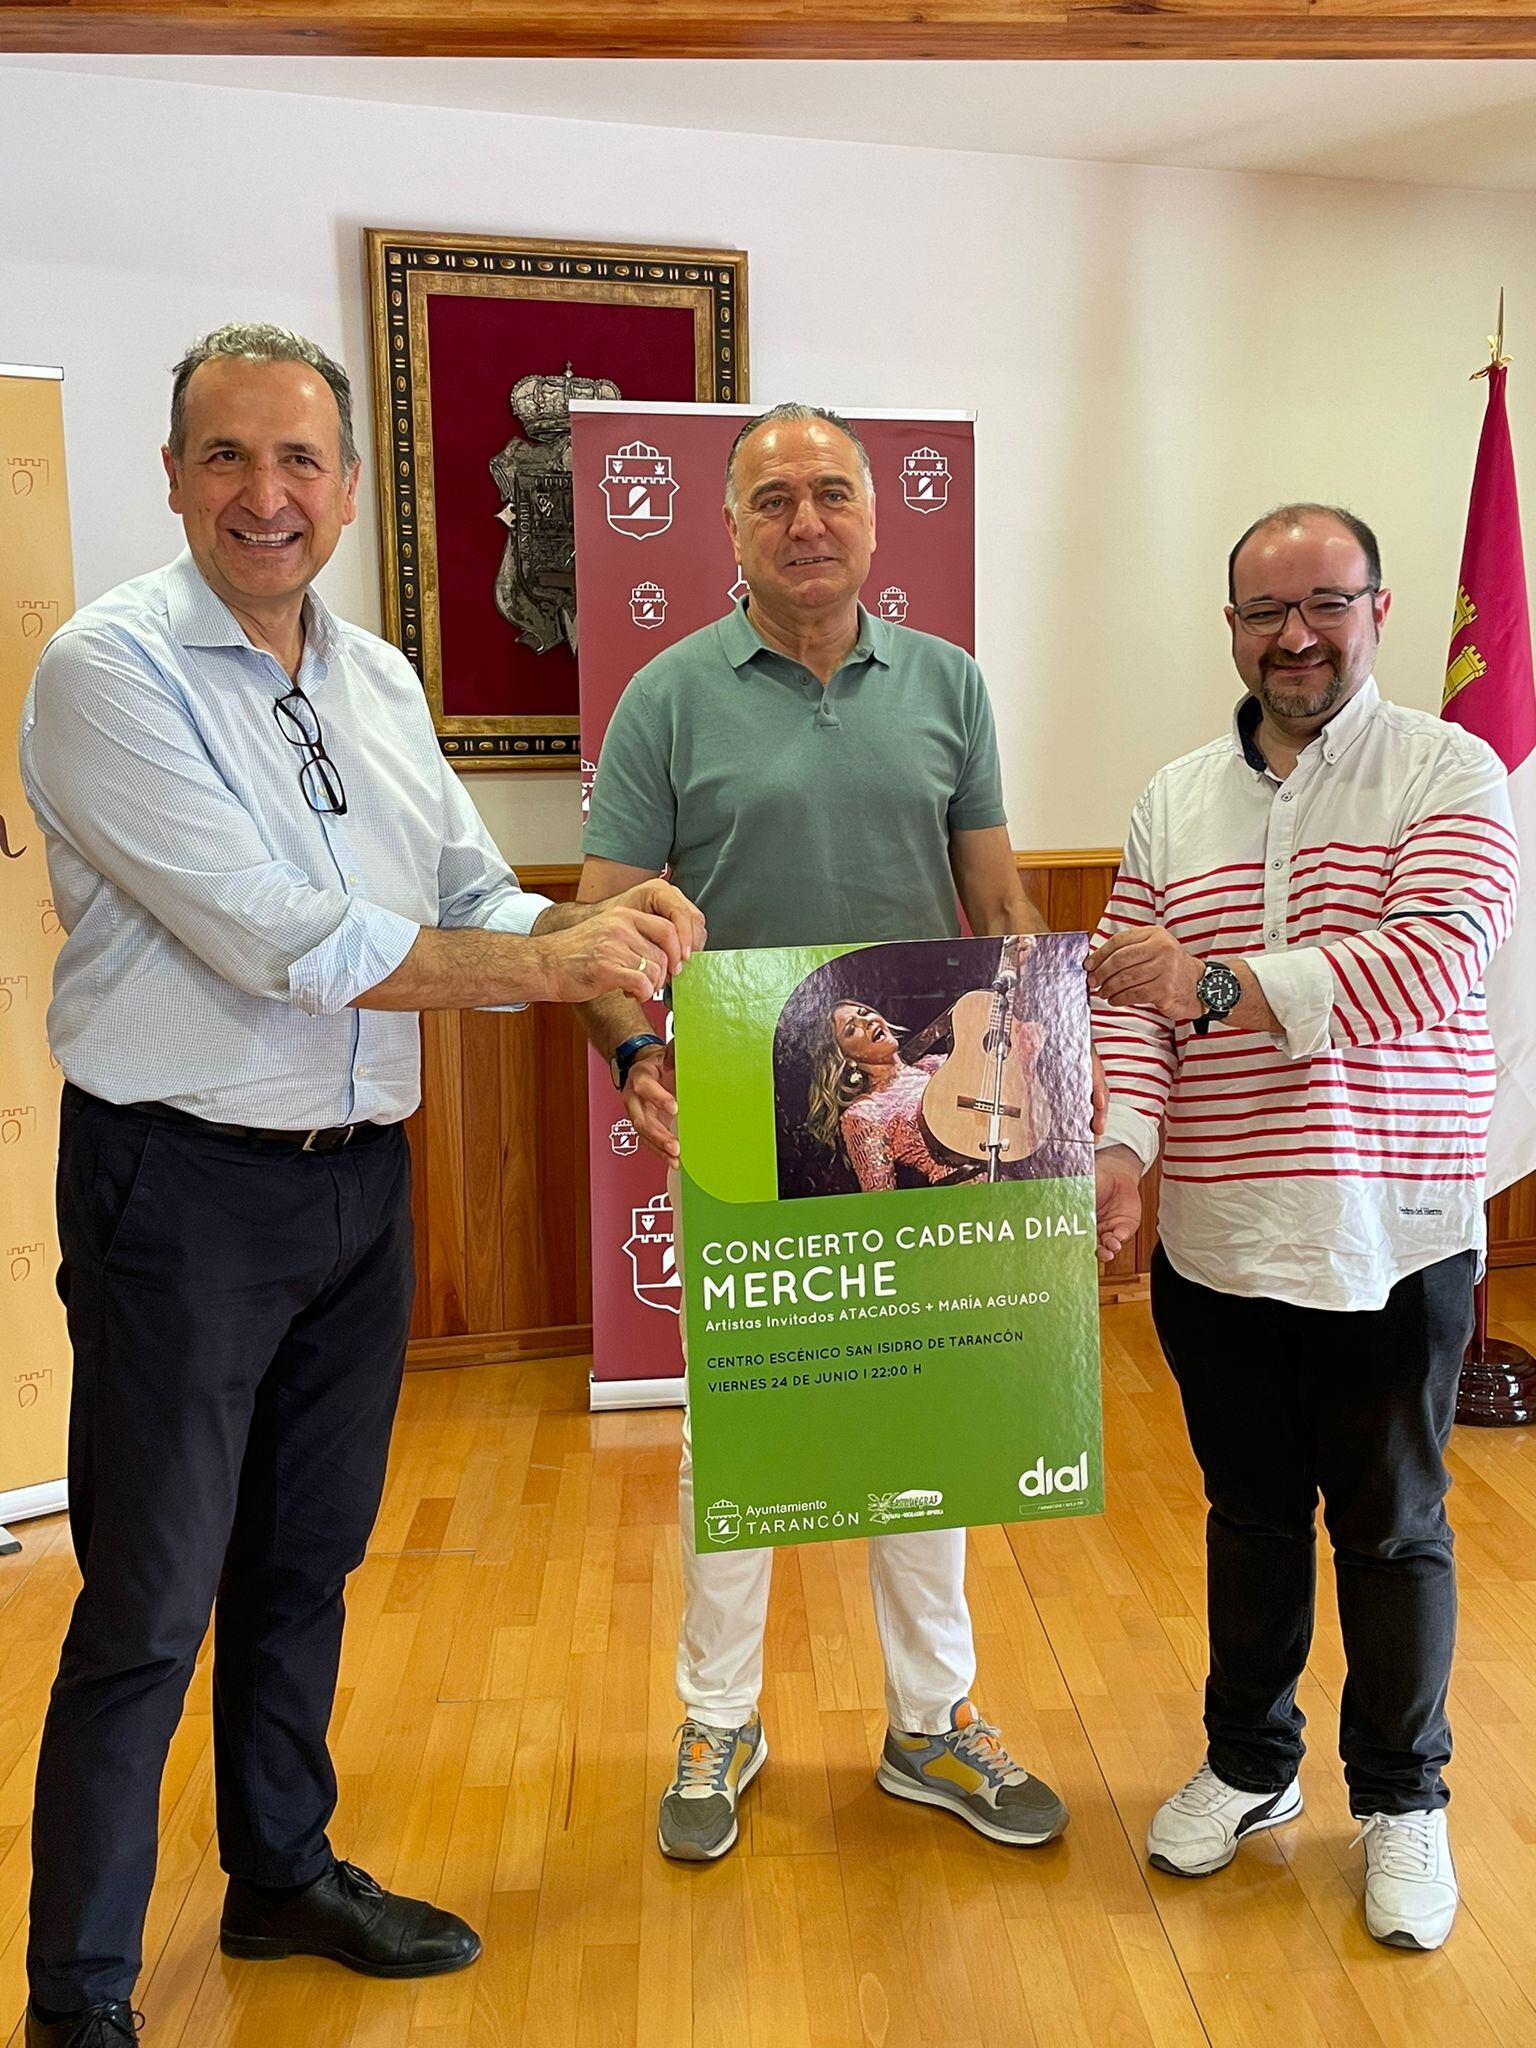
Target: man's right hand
{"points": [[1117, 1179], [615, 949]]}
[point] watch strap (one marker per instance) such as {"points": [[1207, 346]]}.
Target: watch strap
{"points": [[625, 1055]]}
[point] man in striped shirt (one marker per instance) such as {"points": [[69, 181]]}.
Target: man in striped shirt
{"points": [[1288, 994]]}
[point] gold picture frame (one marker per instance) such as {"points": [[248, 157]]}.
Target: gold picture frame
{"points": [[461, 323]]}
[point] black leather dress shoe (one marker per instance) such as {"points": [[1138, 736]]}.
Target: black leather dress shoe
{"points": [[349, 1918], [99, 2026]]}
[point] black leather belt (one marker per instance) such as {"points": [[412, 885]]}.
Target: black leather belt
{"points": [[331, 1140]]}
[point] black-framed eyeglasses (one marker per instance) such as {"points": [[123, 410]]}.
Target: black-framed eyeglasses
{"points": [[1320, 609], [318, 776]]}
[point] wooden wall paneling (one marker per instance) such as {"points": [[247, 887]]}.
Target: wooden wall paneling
{"points": [[1037, 887], [488, 1165], [1512, 1224], [517, 1140], [442, 1110], [569, 1214], [499, 1146], [561, 1203], [421, 1218]]}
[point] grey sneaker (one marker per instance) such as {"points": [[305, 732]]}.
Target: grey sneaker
{"points": [[969, 1770], [697, 1821]]}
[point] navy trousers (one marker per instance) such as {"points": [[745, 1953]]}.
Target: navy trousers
{"points": [[1286, 1403], [238, 1318]]}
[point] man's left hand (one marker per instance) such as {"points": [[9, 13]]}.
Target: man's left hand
{"points": [[1148, 969], [650, 1101]]}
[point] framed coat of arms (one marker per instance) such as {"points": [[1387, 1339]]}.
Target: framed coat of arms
{"points": [[480, 343]]}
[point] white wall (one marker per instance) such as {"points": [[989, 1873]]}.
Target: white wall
{"points": [[1156, 356]]}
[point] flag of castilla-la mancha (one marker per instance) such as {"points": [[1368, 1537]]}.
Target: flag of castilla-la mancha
{"points": [[1489, 688]]}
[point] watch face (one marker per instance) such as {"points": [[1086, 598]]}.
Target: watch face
{"points": [[1219, 989]]}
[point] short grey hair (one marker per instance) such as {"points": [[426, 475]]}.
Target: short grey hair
{"points": [[258, 341], [793, 413]]}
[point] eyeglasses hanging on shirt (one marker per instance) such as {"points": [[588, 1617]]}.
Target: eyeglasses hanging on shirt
{"points": [[318, 775]]}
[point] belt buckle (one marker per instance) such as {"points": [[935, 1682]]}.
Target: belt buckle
{"points": [[325, 1131]]}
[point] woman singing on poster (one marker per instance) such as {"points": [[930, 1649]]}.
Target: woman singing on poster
{"points": [[885, 1108]]}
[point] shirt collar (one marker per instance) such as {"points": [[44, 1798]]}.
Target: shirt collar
{"points": [[743, 643], [1336, 737], [199, 618]]}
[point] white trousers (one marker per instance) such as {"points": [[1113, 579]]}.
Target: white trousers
{"points": [[918, 1585]]}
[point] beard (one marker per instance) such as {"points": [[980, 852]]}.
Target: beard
{"points": [[1286, 699]]}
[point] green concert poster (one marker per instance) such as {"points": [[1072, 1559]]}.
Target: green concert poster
{"points": [[887, 1238]]}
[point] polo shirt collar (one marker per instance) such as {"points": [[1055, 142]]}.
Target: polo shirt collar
{"points": [[1336, 737], [743, 643], [199, 618]]}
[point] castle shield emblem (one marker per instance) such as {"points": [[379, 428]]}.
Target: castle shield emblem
{"points": [[893, 604], [925, 480], [654, 1257], [648, 606], [639, 487]]}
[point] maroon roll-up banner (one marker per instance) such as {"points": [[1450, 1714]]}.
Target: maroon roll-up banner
{"points": [[654, 563]]}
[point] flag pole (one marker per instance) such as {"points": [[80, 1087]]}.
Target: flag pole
{"points": [[1498, 1380]]}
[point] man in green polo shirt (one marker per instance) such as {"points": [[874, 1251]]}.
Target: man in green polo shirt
{"points": [[810, 775]]}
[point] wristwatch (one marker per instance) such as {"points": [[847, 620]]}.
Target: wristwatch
{"points": [[625, 1055], [1220, 991]]}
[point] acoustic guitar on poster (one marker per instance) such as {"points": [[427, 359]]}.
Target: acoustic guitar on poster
{"points": [[983, 1105]]}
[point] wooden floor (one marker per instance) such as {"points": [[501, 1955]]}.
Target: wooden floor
{"points": [[506, 1718]]}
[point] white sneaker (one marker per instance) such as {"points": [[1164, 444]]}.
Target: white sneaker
{"points": [[1410, 1880], [1198, 1829]]}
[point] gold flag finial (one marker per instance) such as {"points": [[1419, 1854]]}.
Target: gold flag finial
{"points": [[1497, 358]]}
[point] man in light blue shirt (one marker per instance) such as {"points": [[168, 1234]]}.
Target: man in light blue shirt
{"points": [[264, 869]]}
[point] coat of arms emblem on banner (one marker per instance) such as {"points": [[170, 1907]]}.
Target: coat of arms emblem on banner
{"points": [[893, 604], [925, 480], [639, 487], [654, 1256], [648, 606]]}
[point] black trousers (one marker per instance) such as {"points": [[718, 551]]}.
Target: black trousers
{"points": [[238, 1319], [1284, 1403]]}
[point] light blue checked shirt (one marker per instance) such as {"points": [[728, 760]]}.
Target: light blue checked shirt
{"points": [[217, 926]]}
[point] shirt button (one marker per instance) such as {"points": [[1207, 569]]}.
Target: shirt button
{"points": [[353, 881], [1285, 796], [1273, 935], [362, 1072], [1277, 863]]}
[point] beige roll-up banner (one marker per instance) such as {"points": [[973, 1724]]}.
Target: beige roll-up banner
{"points": [[36, 595]]}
